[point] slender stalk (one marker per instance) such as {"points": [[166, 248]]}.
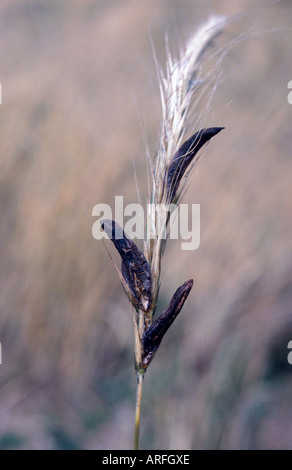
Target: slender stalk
{"points": [[138, 409]]}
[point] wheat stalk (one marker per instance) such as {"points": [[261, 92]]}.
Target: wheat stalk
{"points": [[140, 272]]}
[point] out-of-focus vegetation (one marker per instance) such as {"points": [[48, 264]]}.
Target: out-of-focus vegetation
{"points": [[79, 83]]}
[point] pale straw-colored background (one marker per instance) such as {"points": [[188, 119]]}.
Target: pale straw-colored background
{"points": [[79, 84]]}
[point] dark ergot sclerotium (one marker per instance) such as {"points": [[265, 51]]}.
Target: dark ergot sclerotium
{"points": [[135, 268], [183, 158], [154, 334]]}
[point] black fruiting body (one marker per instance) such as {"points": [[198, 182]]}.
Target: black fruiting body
{"points": [[154, 334], [135, 268], [183, 158]]}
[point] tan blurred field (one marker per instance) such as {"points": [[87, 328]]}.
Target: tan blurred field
{"points": [[79, 84]]}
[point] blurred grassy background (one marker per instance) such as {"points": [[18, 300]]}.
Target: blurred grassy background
{"points": [[77, 78]]}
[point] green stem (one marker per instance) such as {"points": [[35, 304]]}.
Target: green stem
{"points": [[138, 409]]}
